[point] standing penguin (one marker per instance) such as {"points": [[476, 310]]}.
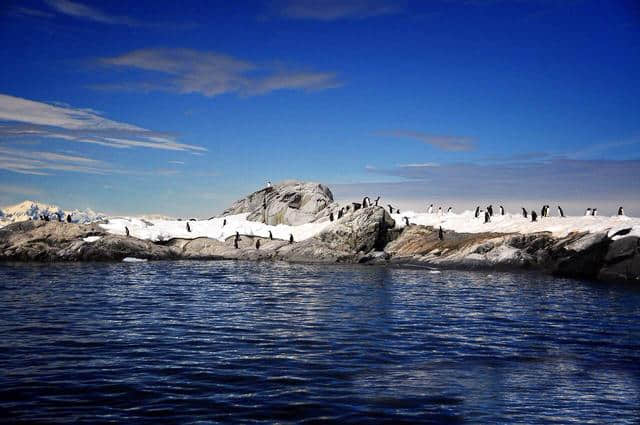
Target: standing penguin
{"points": [[126, 231], [69, 217], [620, 211], [406, 220], [188, 227], [224, 222], [534, 215], [501, 210], [560, 211], [340, 214], [290, 238], [440, 234], [330, 216], [235, 243], [390, 208], [366, 202], [46, 217], [257, 243], [524, 212], [487, 217], [544, 207], [430, 209], [59, 218], [439, 210], [594, 212], [270, 235], [477, 211], [449, 210], [588, 211], [490, 210], [377, 199], [237, 235]]}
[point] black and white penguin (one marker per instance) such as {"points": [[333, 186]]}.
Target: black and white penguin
{"points": [[560, 211], [430, 209], [524, 212], [356, 206], [290, 238], [235, 243], [46, 217], [449, 210], [594, 212], [487, 217], [534, 215], [270, 235], [126, 231], [390, 208], [224, 222], [440, 234], [188, 227], [490, 210], [501, 210], [477, 211], [620, 211], [377, 199], [366, 202], [544, 208], [439, 210], [406, 220], [588, 211], [397, 211], [330, 216], [257, 243], [68, 218], [340, 214]]}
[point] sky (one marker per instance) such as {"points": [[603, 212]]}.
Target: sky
{"points": [[180, 108]]}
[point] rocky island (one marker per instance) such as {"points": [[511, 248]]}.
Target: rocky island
{"points": [[300, 222]]}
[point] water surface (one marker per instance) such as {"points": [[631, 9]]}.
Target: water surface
{"points": [[206, 342]]}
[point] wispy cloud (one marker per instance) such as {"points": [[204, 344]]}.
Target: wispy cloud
{"points": [[19, 190], [331, 10], [27, 118], [82, 11], [212, 74], [44, 163], [442, 142]]}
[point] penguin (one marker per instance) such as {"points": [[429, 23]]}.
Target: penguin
{"points": [[330, 216], [257, 243], [290, 238], [490, 210], [269, 183], [270, 235], [377, 199], [126, 231], [560, 211], [68, 218], [346, 208], [547, 210], [235, 243], [449, 210], [406, 220], [524, 212], [224, 222], [356, 206], [366, 202], [544, 207], [440, 234], [59, 218], [620, 211], [501, 210], [390, 208], [340, 214], [594, 212], [477, 211], [46, 218], [430, 209], [439, 210], [487, 217], [188, 227], [534, 215], [397, 211], [588, 211]]}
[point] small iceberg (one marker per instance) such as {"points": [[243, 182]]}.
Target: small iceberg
{"points": [[91, 238], [133, 260]]}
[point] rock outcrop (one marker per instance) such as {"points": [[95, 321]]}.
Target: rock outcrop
{"points": [[290, 202]]}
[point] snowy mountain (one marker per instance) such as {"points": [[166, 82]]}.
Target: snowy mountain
{"points": [[32, 210]]}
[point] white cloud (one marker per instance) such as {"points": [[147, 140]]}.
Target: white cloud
{"points": [[212, 74], [331, 10], [442, 142], [25, 117], [82, 11]]}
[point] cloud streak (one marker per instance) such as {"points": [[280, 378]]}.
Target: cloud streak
{"points": [[82, 11], [21, 118], [332, 10], [442, 142], [44, 163], [211, 74]]}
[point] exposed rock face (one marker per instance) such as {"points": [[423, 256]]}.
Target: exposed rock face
{"points": [[289, 202]]}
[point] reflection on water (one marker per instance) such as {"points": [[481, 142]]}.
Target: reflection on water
{"points": [[183, 342]]}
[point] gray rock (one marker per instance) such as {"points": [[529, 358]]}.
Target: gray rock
{"points": [[290, 202], [623, 248]]}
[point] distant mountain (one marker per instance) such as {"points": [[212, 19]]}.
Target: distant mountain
{"points": [[32, 210]]}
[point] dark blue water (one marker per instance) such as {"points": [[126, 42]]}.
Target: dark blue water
{"points": [[204, 342]]}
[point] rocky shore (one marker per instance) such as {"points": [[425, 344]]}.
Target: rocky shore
{"points": [[368, 235]]}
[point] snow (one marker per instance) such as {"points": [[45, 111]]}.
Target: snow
{"points": [[133, 260], [162, 230], [516, 223], [31, 210], [91, 238]]}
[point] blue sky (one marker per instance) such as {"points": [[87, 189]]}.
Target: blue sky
{"points": [[180, 108]]}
